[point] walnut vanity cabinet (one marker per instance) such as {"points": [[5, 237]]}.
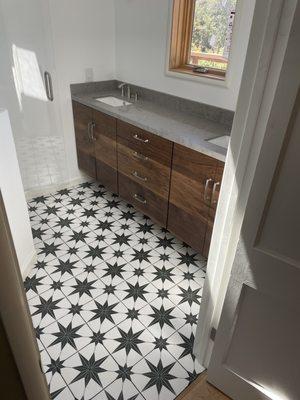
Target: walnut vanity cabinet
{"points": [[195, 182], [176, 186], [144, 168]]}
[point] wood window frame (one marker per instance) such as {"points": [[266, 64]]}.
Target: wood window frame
{"points": [[180, 41]]}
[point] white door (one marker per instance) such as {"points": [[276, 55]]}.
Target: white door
{"points": [[257, 352], [29, 91]]}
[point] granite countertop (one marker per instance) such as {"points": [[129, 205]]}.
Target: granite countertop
{"points": [[184, 128]]}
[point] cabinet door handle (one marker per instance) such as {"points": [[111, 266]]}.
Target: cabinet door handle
{"points": [[141, 178], [214, 200], [136, 137], [139, 156], [140, 199], [208, 181], [92, 131]]}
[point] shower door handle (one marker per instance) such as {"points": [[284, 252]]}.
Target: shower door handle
{"points": [[48, 86]]}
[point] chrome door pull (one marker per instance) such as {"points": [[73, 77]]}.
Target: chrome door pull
{"points": [[48, 86], [136, 137], [216, 184], [140, 198], [136, 175], [140, 156], [206, 188], [92, 131]]}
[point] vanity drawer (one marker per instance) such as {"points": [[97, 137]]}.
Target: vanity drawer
{"points": [[144, 170], [143, 199], [145, 143]]}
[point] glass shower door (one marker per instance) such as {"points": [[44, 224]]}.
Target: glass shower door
{"points": [[29, 90]]}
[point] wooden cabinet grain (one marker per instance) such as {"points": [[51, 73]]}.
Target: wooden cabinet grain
{"points": [[144, 167], [96, 144], [190, 204], [105, 137], [84, 145], [176, 186]]}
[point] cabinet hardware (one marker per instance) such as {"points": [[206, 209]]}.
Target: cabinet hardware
{"points": [[136, 137], [140, 199], [140, 156], [208, 181], [92, 131], [136, 175], [216, 184]]}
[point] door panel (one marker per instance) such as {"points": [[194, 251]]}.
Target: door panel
{"points": [[85, 146], [105, 142], [192, 180], [257, 354]]}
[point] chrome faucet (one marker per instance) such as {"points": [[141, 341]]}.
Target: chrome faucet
{"points": [[124, 85]]}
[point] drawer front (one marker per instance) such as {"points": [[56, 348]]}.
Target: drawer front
{"points": [[143, 199], [145, 143], [145, 171]]}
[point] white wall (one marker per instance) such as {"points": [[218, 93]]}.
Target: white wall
{"points": [[83, 37], [13, 196], [142, 29]]}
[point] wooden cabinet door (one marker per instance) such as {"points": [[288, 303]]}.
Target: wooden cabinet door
{"points": [[83, 116], [105, 139], [192, 180]]}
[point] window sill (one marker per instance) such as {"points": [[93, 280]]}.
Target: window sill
{"points": [[205, 79], [189, 71]]}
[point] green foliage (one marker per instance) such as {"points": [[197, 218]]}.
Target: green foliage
{"points": [[211, 21]]}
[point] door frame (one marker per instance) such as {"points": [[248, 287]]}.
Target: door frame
{"points": [[15, 316], [265, 55]]}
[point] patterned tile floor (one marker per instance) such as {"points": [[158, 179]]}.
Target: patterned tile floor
{"points": [[114, 299]]}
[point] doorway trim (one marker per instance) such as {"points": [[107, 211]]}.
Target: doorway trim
{"points": [[265, 54], [15, 316]]}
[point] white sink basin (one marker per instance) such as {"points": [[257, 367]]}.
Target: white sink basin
{"points": [[222, 141], [113, 101]]}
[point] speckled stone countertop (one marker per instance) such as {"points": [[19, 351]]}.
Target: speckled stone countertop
{"points": [[181, 121]]}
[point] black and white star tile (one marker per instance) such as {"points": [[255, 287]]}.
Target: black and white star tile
{"points": [[114, 299]]}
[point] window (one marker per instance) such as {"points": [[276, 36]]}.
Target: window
{"points": [[201, 37]]}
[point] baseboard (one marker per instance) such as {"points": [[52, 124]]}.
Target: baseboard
{"points": [[47, 190], [29, 265]]}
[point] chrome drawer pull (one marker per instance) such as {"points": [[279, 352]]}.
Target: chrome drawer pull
{"points": [[136, 175], [206, 188], [136, 137], [140, 199], [214, 191], [140, 156]]}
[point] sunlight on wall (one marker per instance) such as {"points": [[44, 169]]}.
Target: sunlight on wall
{"points": [[27, 75]]}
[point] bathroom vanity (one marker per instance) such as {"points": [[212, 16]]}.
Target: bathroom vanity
{"points": [[157, 153]]}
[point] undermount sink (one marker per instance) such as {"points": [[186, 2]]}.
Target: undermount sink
{"points": [[222, 141], [113, 101]]}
